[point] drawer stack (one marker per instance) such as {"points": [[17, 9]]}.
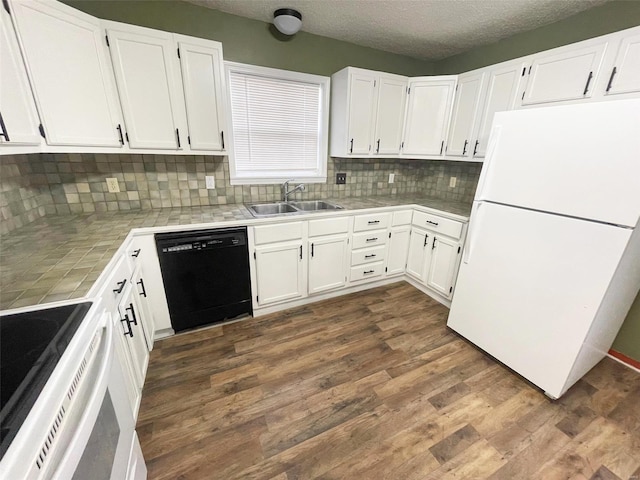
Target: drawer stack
{"points": [[368, 251]]}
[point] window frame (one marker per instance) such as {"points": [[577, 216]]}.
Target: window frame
{"points": [[325, 92]]}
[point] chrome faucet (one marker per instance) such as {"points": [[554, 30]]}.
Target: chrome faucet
{"points": [[286, 192]]}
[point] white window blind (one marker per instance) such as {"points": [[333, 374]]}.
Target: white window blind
{"points": [[279, 125]]}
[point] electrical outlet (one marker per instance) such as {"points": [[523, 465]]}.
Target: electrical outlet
{"points": [[392, 177], [210, 180], [341, 178], [452, 182], [112, 185]]}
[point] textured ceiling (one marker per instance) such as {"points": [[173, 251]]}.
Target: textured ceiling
{"points": [[427, 29]]}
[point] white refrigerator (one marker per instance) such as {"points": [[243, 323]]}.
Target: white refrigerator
{"points": [[551, 263]]}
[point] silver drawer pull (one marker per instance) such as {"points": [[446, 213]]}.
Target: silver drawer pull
{"points": [[373, 222], [368, 271], [432, 223], [370, 256], [373, 239]]}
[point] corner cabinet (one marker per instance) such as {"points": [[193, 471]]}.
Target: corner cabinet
{"points": [[70, 74], [18, 116], [426, 124], [367, 113]]}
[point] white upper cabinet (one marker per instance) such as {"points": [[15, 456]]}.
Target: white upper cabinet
{"points": [[367, 111], [204, 92], [625, 74], [566, 73], [464, 122], [392, 91], [361, 110], [18, 116], [502, 93], [428, 113], [70, 74], [144, 63]]}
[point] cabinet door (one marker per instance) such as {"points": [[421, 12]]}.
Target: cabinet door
{"points": [[419, 253], [141, 300], [390, 115], [203, 83], [568, 75], [144, 66], [18, 117], [442, 265], [67, 65], [362, 103], [327, 263], [465, 112], [279, 272], [503, 86], [398, 250], [625, 76], [132, 329], [427, 118]]}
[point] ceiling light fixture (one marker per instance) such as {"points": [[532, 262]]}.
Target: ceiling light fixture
{"points": [[287, 20]]}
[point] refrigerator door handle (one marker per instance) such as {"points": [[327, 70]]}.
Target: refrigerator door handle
{"points": [[471, 236]]}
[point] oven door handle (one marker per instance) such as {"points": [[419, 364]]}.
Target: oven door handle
{"points": [[83, 428]]}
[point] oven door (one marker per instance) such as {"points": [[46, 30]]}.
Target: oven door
{"points": [[104, 445]]}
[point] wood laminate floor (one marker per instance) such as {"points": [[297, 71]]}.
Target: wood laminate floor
{"points": [[373, 386]]}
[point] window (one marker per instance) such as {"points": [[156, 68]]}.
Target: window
{"points": [[279, 122]]}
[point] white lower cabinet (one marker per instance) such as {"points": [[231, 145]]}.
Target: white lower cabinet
{"points": [[398, 250], [130, 318], [419, 253], [327, 263], [279, 272], [444, 253], [434, 254]]}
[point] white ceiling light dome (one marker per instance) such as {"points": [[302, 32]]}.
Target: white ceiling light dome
{"points": [[287, 20]]}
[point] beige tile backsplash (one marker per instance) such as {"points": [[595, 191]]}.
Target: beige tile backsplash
{"points": [[32, 186]]}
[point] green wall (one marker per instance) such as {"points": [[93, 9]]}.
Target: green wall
{"points": [[607, 18], [252, 41], [628, 339]]}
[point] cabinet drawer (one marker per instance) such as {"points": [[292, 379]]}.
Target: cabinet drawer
{"points": [[401, 218], [367, 271], [371, 222], [277, 233], [369, 239], [367, 255], [442, 225], [328, 226]]}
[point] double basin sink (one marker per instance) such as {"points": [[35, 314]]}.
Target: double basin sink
{"points": [[291, 208]]}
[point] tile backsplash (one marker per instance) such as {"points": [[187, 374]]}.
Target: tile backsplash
{"points": [[35, 185]]}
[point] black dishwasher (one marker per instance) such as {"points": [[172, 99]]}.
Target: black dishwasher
{"points": [[206, 275]]}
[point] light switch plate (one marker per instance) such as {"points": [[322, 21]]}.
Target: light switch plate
{"points": [[392, 177], [452, 182], [210, 180]]}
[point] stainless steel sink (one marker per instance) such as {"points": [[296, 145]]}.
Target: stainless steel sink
{"points": [[315, 205], [292, 208], [272, 209]]}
